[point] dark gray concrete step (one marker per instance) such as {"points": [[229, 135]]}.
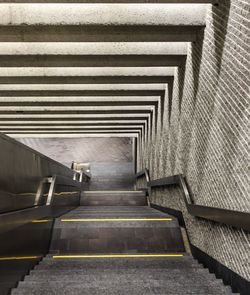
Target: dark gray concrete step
{"points": [[82, 222], [115, 281], [168, 263], [93, 291], [121, 271], [113, 198], [116, 236], [104, 210], [117, 239], [133, 286], [159, 274], [123, 208], [114, 215]]}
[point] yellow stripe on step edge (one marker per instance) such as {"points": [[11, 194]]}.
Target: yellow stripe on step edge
{"points": [[115, 256], [113, 219], [19, 258], [41, 220]]}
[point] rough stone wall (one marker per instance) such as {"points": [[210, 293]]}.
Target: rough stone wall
{"points": [[99, 149], [208, 136]]}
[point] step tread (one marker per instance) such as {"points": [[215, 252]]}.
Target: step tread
{"points": [[150, 287]]}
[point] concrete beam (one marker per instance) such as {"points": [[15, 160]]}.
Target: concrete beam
{"points": [[94, 14], [99, 33], [44, 99], [83, 87], [78, 99], [87, 72], [111, 1], [87, 80], [68, 128], [75, 109], [15, 93], [92, 54], [71, 135], [77, 75], [76, 117], [92, 22], [70, 131], [72, 122], [91, 60], [94, 48], [65, 104]]}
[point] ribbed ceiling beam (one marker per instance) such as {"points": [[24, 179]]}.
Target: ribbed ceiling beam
{"points": [[92, 22], [94, 14], [76, 117], [79, 99], [83, 87], [87, 80], [94, 48], [86, 72], [111, 1], [76, 75], [15, 93], [71, 135], [81, 105], [91, 60], [68, 128], [92, 54], [72, 122], [130, 33], [77, 131], [75, 109]]}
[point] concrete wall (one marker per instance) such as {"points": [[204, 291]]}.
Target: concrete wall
{"points": [[66, 150], [110, 158], [208, 135]]}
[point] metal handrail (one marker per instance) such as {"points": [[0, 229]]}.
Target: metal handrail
{"points": [[144, 172], [237, 219], [55, 179], [82, 175]]}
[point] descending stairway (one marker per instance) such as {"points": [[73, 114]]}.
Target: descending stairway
{"points": [[124, 247]]}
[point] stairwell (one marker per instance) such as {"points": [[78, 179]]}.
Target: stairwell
{"points": [[114, 243]]}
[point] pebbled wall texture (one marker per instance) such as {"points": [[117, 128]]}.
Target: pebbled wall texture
{"points": [[207, 138]]}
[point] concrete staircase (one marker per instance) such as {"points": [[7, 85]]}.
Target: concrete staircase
{"points": [[121, 248], [114, 198]]}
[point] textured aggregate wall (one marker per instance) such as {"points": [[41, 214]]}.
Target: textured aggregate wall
{"points": [[66, 150], [208, 135]]}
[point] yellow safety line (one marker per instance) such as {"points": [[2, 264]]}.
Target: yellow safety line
{"points": [[19, 258], [46, 194], [40, 220], [115, 256], [66, 193], [114, 219]]}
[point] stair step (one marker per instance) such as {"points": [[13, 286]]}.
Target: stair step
{"points": [[159, 274], [114, 286], [131, 271], [168, 263], [77, 233], [113, 198]]}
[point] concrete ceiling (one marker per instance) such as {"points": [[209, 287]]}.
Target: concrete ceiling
{"points": [[93, 69]]}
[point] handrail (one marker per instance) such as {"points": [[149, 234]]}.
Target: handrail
{"points": [[55, 179], [82, 175], [229, 217], [144, 172]]}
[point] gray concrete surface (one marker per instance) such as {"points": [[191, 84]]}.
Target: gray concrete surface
{"points": [[66, 150], [92, 14]]}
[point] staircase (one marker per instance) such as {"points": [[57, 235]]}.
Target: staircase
{"points": [[115, 244]]}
